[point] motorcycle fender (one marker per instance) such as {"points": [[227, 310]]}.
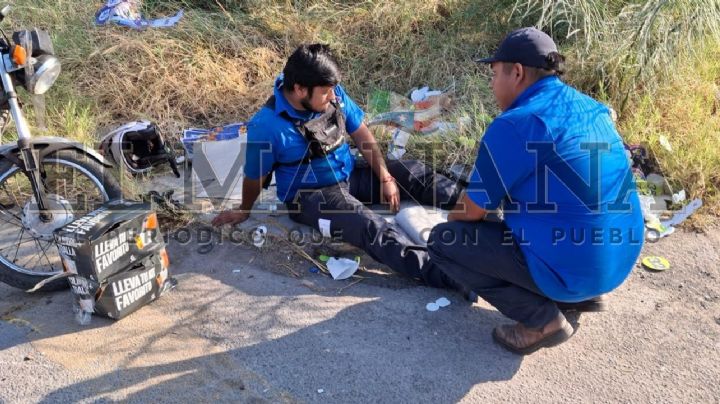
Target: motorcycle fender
{"points": [[47, 145]]}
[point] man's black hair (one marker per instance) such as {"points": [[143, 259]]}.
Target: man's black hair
{"points": [[555, 61], [311, 66]]}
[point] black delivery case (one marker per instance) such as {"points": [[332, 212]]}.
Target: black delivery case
{"points": [[118, 255]]}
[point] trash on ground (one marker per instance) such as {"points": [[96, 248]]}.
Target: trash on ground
{"points": [[442, 302], [684, 213], [196, 135], [679, 197], [320, 391], [387, 101], [400, 119], [398, 142], [656, 194], [314, 270], [665, 143], [657, 231], [127, 13], [323, 258], [432, 307], [236, 271], [656, 263], [342, 268], [423, 112], [259, 236]]}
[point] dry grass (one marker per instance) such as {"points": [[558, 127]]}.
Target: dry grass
{"points": [[218, 64], [686, 110]]}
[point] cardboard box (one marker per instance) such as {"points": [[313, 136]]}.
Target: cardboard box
{"points": [[127, 291], [109, 240]]}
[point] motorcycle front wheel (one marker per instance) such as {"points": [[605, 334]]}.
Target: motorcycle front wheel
{"points": [[75, 185]]}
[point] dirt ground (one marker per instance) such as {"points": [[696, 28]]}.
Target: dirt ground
{"points": [[249, 325]]}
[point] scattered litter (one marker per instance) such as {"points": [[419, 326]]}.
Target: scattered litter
{"points": [[656, 194], [314, 270], [658, 231], [324, 226], [320, 391], [656, 263], [258, 236], [398, 143], [665, 143], [218, 133], [383, 101], [422, 94], [679, 197], [305, 255], [438, 304], [342, 268], [422, 112], [656, 184], [236, 271], [442, 302], [127, 13], [684, 213], [323, 258]]}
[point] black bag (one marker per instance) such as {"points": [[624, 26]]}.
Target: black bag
{"points": [[324, 134]]}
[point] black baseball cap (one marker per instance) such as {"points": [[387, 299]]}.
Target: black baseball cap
{"points": [[528, 46]]}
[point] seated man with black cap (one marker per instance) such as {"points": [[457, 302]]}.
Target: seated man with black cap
{"points": [[572, 227]]}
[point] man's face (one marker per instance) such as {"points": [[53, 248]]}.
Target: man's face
{"points": [[318, 99], [503, 85]]}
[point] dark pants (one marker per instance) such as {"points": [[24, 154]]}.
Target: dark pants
{"points": [[343, 205], [483, 257]]}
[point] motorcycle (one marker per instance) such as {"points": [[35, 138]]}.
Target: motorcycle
{"points": [[45, 182]]}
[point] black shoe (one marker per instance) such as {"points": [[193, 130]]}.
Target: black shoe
{"points": [[595, 304]]}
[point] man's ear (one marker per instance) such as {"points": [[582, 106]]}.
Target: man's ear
{"points": [[300, 91], [518, 72]]}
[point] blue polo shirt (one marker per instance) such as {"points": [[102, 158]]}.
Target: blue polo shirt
{"points": [[557, 163], [273, 138]]}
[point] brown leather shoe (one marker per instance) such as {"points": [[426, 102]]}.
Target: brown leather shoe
{"points": [[523, 340], [595, 304]]}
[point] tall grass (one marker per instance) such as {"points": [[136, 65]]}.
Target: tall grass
{"points": [[219, 63], [625, 49]]}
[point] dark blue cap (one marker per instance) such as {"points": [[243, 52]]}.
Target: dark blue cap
{"points": [[527, 46]]}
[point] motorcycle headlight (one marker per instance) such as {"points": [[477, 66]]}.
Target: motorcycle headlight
{"points": [[47, 69]]}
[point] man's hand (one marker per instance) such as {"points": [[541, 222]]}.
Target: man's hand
{"points": [[231, 217], [390, 194]]}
